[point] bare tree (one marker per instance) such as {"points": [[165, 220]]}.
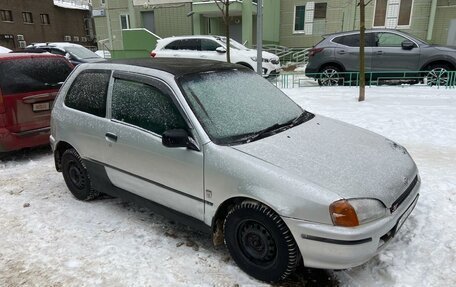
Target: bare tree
{"points": [[224, 6]]}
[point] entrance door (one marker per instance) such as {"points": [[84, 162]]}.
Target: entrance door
{"points": [[452, 33], [148, 19]]}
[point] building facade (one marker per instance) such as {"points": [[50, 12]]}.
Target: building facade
{"points": [[302, 22], [23, 22], [291, 23]]}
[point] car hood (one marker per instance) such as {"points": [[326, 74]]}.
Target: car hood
{"points": [[253, 53], [347, 160]]}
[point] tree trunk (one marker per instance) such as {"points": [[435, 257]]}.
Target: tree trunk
{"points": [[362, 28], [227, 27]]}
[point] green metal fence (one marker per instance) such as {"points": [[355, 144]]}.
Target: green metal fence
{"points": [[444, 79]]}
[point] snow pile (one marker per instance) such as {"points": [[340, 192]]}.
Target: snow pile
{"points": [[49, 238], [73, 4]]}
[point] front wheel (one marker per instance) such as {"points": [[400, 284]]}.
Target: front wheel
{"points": [[260, 242], [437, 75], [330, 76]]}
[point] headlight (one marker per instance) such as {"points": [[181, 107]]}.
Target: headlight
{"points": [[353, 212], [263, 59]]}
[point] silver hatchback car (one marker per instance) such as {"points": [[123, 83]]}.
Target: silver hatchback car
{"points": [[223, 150]]}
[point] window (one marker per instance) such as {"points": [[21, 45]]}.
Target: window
{"points": [[392, 13], [88, 92], [353, 40], [144, 106], [125, 22], [27, 17], [185, 44], [389, 40], [320, 10], [6, 15], [300, 12], [32, 74], [304, 17], [209, 45], [45, 19]]}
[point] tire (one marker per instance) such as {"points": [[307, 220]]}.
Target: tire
{"points": [[437, 75], [329, 76], [76, 176], [260, 242]]}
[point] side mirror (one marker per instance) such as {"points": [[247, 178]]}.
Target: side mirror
{"points": [[175, 138], [407, 45], [221, 50]]}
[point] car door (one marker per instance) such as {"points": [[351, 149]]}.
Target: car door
{"points": [[209, 50], [348, 52], [142, 108], [390, 56]]}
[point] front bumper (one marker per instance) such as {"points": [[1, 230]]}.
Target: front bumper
{"points": [[333, 247]]}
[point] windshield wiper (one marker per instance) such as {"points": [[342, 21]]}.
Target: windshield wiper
{"points": [[276, 128]]}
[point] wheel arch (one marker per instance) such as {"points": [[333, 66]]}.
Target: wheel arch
{"points": [[60, 148], [223, 210], [245, 65], [333, 63], [436, 62]]}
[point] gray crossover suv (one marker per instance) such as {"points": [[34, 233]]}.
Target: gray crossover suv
{"points": [[387, 52], [218, 147]]}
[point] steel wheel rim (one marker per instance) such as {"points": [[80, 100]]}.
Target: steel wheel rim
{"points": [[76, 175], [256, 243]]}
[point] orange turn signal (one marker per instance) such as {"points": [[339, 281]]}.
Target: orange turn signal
{"points": [[343, 214]]}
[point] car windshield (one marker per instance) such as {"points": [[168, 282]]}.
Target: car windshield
{"points": [[81, 52], [233, 44], [236, 106]]}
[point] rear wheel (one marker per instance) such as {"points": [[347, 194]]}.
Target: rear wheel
{"points": [[260, 242], [330, 76], [437, 75], [76, 176]]}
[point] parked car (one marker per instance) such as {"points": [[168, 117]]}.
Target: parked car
{"points": [[214, 48], [222, 149], [28, 86], [4, 50], [387, 52], [75, 53], [103, 53]]}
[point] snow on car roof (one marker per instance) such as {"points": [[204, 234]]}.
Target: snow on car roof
{"points": [[179, 67]]}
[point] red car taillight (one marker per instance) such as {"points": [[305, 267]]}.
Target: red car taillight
{"points": [[153, 54], [314, 51]]}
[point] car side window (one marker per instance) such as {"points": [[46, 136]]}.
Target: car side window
{"points": [[389, 40], [353, 40], [145, 106], [209, 45], [185, 44], [88, 92]]}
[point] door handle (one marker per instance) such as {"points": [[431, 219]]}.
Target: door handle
{"points": [[379, 52], [341, 52], [111, 137]]}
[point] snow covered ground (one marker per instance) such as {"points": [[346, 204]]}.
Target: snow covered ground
{"points": [[49, 238]]}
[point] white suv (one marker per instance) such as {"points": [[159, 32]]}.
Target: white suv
{"points": [[214, 48]]}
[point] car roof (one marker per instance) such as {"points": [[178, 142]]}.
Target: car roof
{"points": [[367, 31], [55, 44], [12, 56], [180, 66]]}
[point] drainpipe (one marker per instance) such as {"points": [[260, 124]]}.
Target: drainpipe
{"points": [[108, 20], [431, 20]]}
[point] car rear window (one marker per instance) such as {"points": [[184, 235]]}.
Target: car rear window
{"points": [[32, 74]]}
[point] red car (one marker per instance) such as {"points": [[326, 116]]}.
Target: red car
{"points": [[28, 86]]}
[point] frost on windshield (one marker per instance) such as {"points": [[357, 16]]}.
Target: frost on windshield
{"points": [[232, 103]]}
